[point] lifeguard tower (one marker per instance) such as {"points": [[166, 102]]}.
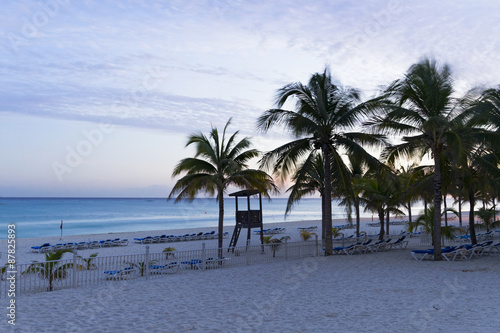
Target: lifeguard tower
{"points": [[247, 218]]}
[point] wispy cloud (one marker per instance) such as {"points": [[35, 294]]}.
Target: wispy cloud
{"points": [[88, 60]]}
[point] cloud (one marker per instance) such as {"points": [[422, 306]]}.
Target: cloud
{"points": [[213, 60]]}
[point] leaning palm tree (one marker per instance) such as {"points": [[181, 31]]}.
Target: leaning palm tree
{"points": [[422, 109], [51, 269], [219, 162], [324, 113]]}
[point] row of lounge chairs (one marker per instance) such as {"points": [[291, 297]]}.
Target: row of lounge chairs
{"points": [[313, 228], [480, 237], [370, 246], [166, 268], [460, 252], [46, 247], [270, 231], [182, 238]]}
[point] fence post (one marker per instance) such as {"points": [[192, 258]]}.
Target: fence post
{"points": [[146, 270], [317, 246], [74, 267], [203, 256], [286, 249]]}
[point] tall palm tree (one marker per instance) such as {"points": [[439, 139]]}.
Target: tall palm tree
{"points": [[219, 161], [324, 113], [409, 176], [422, 109], [308, 180]]}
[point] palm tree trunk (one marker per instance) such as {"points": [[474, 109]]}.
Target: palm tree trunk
{"points": [[387, 223], [445, 212], [472, 227], [437, 204], [358, 219], [381, 217], [327, 214], [220, 198], [409, 212], [323, 207], [460, 210]]}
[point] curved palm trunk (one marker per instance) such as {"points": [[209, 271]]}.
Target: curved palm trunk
{"points": [[437, 204], [472, 227], [220, 198], [409, 212], [327, 213]]}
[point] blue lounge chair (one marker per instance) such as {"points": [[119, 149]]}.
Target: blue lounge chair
{"points": [[119, 274], [191, 264]]}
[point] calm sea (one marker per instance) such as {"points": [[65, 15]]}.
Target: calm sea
{"points": [[39, 217]]}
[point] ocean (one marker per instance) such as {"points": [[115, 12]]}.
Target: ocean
{"points": [[41, 217]]}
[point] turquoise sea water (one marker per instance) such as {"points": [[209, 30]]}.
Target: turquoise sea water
{"points": [[40, 217]]}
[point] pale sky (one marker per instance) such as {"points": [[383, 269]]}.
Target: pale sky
{"points": [[97, 98]]}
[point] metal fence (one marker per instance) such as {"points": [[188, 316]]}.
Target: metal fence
{"points": [[78, 271]]}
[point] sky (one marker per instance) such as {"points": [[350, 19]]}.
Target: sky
{"points": [[97, 98]]}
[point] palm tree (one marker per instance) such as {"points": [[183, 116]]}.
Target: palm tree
{"points": [[275, 243], [308, 180], [408, 178], [51, 269], [324, 112], [487, 215], [426, 221], [219, 162], [422, 109], [377, 195], [89, 262]]}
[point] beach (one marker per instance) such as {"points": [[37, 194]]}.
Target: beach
{"points": [[375, 292]]}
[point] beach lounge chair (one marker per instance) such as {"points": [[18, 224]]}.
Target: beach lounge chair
{"points": [[429, 254], [191, 264], [344, 249], [422, 254], [400, 243], [455, 253], [119, 274], [211, 263], [38, 249], [377, 246], [45, 248]]}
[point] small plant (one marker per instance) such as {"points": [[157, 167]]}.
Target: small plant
{"points": [[4, 269], [141, 265], [305, 235], [51, 269], [336, 232], [89, 264], [169, 252], [275, 243]]}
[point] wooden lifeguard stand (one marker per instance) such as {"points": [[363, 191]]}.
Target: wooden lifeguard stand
{"points": [[247, 218]]}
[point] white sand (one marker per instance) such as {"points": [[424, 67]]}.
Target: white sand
{"points": [[377, 292]]}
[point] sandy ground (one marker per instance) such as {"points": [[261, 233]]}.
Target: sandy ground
{"points": [[376, 292]]}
